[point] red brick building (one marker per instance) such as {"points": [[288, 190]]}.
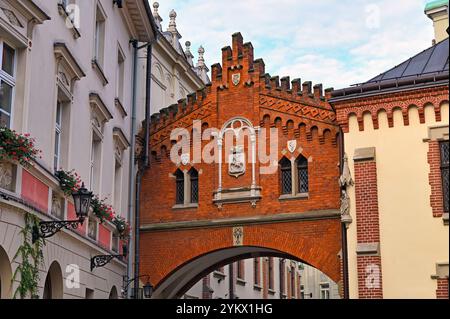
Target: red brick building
{"points": [[197, 216]]}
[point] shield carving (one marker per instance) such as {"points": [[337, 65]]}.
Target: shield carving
{"points": [[236, 78], [292, 145], [236, 164], [184, 159]]}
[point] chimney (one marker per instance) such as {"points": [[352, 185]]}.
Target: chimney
{"points": [[437, 11]]}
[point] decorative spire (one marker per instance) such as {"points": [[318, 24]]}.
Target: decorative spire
{"points": [[201, 68], [201, 59], [172, 24], [187, 52], [176, 36], [156, 15]]}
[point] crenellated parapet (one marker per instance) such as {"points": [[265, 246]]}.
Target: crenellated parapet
{"points": [[240, 86]]}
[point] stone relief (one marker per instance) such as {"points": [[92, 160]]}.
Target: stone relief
{"points": [[236, 165], [7, 176]]}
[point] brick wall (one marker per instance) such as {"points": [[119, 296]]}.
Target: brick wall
{"points": [[435, 179], [442, 288], [368, 229], [300, 112]]}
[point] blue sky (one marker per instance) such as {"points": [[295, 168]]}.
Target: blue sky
{"points": [[334, 42]]}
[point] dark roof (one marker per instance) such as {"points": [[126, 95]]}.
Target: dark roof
{"points": [[429, 67]]}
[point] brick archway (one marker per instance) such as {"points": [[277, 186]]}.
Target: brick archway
{"points": [[168, 255], [290, 119]]}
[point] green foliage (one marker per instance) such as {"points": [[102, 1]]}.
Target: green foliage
{"points": [[31, 258]]}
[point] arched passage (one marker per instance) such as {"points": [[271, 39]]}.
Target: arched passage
{"points": [[5, 275], [177, 260], [53, 286]]}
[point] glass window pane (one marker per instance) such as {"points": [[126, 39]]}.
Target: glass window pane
{"points": [[58, 114], [5, 97], [8, 59]]}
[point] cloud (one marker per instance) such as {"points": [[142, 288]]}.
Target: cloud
{"points": [[337, 43]]}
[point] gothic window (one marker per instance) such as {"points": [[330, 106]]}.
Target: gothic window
{"points": [[286, 176], [302, 174], [179, 177], [444, 146], [193, 176]]}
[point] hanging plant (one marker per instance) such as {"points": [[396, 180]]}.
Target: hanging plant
{"points": [[69, 181], [102, 210], [122, 226], [31, 258], [17, 147]]}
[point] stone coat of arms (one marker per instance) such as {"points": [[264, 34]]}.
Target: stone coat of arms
{"points": [[236, 78], [236, 162]]}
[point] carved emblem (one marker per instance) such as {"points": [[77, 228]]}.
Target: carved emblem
{"points": [[6, 175], [236, 78], [184, 159], [236, 162], [238, 236], [292, 145], [12, 17]]}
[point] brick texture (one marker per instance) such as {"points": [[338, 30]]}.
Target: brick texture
{"points": [[435, 179], [442, 288], [300, 112], [367, 229]]}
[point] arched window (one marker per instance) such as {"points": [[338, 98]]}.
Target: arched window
{"points": [[302, 174], [286, 176], [193, 176], [179, 177]]}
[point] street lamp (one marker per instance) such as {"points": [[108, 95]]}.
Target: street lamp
{"points": [[148, 287], [82, 202]]}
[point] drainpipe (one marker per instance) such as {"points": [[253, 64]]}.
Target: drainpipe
{"points": [[145, 162], [343, 225], [132, 161]]}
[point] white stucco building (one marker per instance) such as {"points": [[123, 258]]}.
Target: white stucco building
{"points": [[67, 80], [265, 278]]}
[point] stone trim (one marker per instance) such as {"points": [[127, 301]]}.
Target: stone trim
{"points": [[266, 219], [364, 154], [368, 249], [441, 271], [99, 70], [99, 108]]}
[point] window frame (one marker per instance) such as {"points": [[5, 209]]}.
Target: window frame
{"points": [[257, 271], [58, 133], [99, 33], [301, 163], [283, 171], [8, 78], [194, 182], [324, 290], [271, 273], [179, 191]]}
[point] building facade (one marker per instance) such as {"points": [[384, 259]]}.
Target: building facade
{"points": [[173, 73], [205, 212], [265, 278], [396, 130], [67, 80]]}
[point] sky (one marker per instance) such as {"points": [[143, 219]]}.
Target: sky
{"points": [[334, 42]]}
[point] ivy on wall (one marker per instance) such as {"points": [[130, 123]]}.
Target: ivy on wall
{"points": [[31, 258]]}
